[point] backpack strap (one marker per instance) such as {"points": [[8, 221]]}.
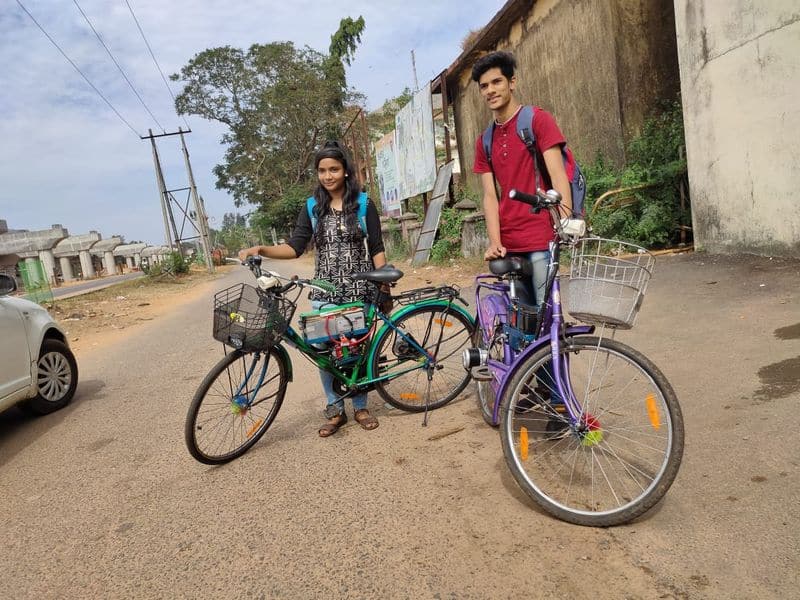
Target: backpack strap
{"points": [[528, 137], [311, 204], [486, 140], [488, 134], [362, 211]]}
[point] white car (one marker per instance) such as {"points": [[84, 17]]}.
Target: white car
{"points": [[37, 368]]}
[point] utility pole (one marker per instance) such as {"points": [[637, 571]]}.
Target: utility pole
{"points": [[414, 68], [199, 209], [162, 190], [197, 218]]}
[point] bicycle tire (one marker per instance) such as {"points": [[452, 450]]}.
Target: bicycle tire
{"points": [[217, 414], [485, 394], [430, 328], [625, 400]]}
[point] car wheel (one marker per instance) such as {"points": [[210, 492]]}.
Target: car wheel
{"points": [[57, 378]]}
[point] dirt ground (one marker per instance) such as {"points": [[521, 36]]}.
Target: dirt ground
{"points": [[97, 318]]}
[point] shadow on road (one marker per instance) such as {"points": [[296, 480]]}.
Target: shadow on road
{"points": [[18, 429]]}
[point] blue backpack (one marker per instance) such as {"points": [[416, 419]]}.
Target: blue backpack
{"points": [[525, 132], [311, 204]]}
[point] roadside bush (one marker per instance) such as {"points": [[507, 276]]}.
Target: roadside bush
{"points": [[448, 238], [173, 264], [649, 215]]}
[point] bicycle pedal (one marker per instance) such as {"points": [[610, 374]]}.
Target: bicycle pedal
{"points": [[481, 374]]}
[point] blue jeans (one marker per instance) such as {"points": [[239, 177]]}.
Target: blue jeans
{"points": [[359, 400], [534, 289]]}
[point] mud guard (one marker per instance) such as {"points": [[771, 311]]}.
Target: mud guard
{"points": [[283, 355]]}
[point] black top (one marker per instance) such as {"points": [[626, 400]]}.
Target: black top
{"points": [[340, 253], [303, 231]]}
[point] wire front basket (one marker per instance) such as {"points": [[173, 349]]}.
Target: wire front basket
{"points": [[248, 319], [607, 282]]}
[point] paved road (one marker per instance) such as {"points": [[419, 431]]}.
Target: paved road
{"points": [[93, 285], [102, 500]]}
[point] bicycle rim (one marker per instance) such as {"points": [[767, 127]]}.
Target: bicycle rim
{"points": [[444, 333], [231, 411], [619, 457], [486, 389]]}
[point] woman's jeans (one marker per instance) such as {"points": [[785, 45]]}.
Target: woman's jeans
{"points": [[335, 405]]}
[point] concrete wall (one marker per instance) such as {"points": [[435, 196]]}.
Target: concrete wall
{"points": [[599, 67], [740, 77]]}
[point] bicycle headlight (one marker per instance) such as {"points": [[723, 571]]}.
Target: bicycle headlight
{"points": [[474, 357]]}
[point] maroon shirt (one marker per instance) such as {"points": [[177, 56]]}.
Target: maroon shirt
{"points": [[521, 231]]}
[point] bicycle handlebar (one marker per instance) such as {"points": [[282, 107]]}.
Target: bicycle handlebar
{"points": [[540, 199], [254, 264], [567, 229]]}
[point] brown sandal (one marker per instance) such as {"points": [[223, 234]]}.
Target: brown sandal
{"points": [[366, 420], [333, 425]]}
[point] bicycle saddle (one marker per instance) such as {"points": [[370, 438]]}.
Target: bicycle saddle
{"points": [[386, 274], [510, 264]]}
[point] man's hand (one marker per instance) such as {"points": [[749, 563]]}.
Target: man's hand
{"points": [[245, 252], [494, 251]]}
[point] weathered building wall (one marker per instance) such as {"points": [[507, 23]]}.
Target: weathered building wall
{"points": [[599, 67], [740, 77]]}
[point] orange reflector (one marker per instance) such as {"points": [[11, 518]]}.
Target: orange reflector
{"points": [[254, 428], [523, 443], [409, 396], [443, 322], [652, 412]]}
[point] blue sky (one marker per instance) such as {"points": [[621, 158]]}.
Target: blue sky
{"points": [[66, 158]]}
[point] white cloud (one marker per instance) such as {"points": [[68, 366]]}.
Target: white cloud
{"points": [[66, 157]]}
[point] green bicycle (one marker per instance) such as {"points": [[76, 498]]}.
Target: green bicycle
{"points": [[412, 357]]}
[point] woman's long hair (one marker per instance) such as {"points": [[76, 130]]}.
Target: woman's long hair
{"points": [[352, 189]]}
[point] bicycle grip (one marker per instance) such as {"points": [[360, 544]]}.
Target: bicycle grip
{"points": [[533, 199]]}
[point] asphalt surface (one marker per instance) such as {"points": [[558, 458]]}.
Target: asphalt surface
{"points": [[102, 500]]}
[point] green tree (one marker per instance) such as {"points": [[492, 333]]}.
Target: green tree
{"points": [[278, 103]]}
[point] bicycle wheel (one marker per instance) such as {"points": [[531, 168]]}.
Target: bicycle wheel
{"points": [[620, 457], [230, 410], [443, 332]]}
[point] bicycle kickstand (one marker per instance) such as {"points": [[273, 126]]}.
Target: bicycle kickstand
{"points": [[427, 397]]}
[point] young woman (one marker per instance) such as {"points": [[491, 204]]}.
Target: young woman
{"points": [[339, 239]]}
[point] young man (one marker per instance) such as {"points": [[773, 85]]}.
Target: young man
{"points": [[511, 227]]}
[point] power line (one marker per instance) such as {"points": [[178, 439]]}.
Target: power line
{"points": [[64, 54], [146, 43], [100, 39]]}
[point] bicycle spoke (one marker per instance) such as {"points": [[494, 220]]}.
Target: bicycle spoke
{"points": [[615, 459]]}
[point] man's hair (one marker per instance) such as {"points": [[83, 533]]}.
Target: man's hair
{"points": [[505, 61]]}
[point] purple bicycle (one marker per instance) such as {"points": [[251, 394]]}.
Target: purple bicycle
{"points": [[591, 429]]}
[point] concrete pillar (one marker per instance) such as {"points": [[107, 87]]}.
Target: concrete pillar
{"points": [[137, 259], [33, 272], [129, 261], [49, 264], [86, 264], [108, 262], [66, 268]]}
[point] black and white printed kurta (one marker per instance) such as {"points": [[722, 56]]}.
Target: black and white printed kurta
{"points": [[340, 253]]}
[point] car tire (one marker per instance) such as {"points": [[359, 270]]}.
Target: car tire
{"points": [[57, 378]]}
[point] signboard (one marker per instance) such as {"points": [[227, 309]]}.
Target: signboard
{"points": [[415, 149], [427, 236], [386, 172]]}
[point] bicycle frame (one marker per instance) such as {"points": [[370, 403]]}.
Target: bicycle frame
{"points": [[549, 326], [355, 380]]}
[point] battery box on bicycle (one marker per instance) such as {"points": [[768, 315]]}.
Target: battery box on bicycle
{"points": [[329, 324]]}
